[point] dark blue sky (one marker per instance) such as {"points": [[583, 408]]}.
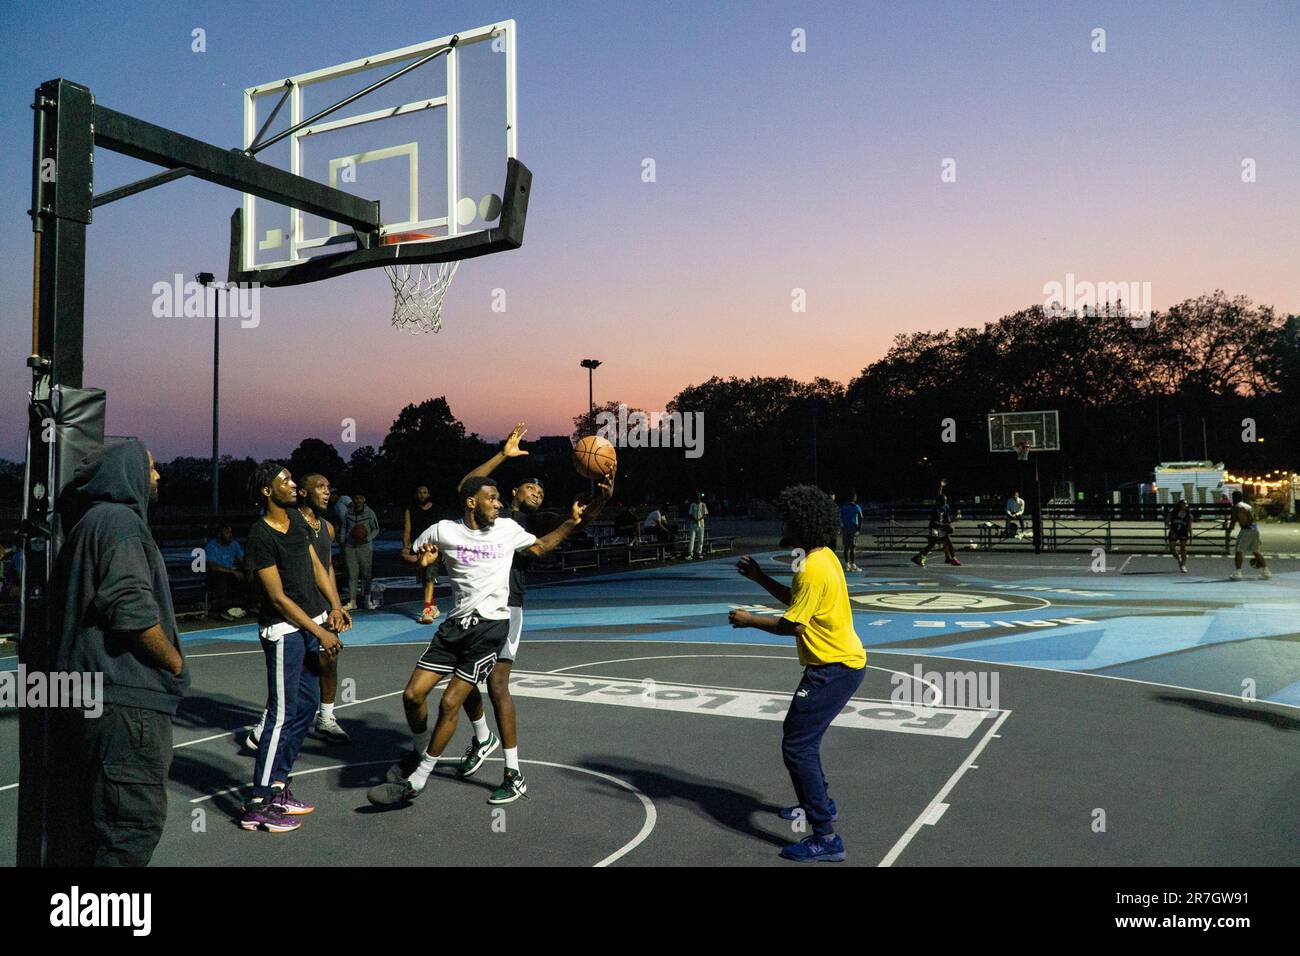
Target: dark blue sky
{"points": [[775, 171]]}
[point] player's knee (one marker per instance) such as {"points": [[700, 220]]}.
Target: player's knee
{"points": [[499, 685], [448, 708], [411, 698]]}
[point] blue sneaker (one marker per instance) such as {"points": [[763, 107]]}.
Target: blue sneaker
{"points": [[795, 812], [816, 849]]}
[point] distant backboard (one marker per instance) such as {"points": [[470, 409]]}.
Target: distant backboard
{"points": [[432, 146], [1040, 431]]}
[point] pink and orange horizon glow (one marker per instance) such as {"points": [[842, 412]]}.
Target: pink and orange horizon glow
{"points": [[775, 171]]}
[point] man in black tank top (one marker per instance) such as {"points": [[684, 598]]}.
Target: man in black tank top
{"points": [[416, 520]]}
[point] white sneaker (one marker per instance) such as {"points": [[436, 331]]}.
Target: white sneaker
{"points": [[350, 606], [329, 730], [1235, 576], [1266, 574], [237, 612]]}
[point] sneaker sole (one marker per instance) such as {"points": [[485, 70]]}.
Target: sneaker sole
{"points": [[390, 794], [330, 738], [510, 798], [482, 757], [270, 827], [296, 812], [823, 858]]}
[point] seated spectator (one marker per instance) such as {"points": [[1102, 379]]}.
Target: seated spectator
{"points": [[226, 578], [628, 525], [656, 524]]}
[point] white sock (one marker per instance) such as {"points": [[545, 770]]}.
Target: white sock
{"points": [[421, 775], [512, 758], [481, 732], [420, 742], [326, 711]]}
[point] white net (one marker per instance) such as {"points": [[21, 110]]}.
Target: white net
{"points": [[417, 294]]}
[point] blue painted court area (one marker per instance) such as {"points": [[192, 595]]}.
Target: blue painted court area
{"points": [[1141, 622]]}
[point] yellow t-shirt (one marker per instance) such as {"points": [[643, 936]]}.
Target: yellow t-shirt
{"points": [[819, 600]]}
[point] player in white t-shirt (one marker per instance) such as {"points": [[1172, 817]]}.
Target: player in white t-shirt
{"points": [[478, 552]]}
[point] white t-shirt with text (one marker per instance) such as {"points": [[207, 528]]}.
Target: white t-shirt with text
{"points": [[478, 563]]}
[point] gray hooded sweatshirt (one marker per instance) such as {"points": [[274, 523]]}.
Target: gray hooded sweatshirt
{"points": [[110, 583]]}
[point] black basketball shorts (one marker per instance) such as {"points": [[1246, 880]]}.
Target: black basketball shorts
{"points": [[465, 646]]}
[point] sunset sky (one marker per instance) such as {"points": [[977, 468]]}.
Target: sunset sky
{"points": [[776, 171]]}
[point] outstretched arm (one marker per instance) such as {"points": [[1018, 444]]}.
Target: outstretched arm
{"points": [[510, 449], [766, 622], [749, 568]]}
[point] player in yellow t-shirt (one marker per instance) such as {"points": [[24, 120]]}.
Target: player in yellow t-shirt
{"points": [[820, 620]]}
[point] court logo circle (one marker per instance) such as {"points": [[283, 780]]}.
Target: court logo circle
{"points": [[928, 602]]}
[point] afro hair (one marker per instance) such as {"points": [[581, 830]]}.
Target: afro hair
{"points": [[811, 514]]}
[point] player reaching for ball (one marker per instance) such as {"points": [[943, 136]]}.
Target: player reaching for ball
{"points": [[820, 620], [478, 551], [525, 500]]}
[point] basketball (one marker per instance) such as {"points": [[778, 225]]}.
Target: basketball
{"points": [[594, 457]]}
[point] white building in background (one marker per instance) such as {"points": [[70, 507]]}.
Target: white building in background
{"points": [[1200, 482]]}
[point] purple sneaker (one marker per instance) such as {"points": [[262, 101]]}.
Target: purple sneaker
{"points": [[260, 815], [286, 803]]}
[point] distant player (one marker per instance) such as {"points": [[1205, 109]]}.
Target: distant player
{"points": [[820, 620], [478, 551], [1248, 540], [417, 518], [850, 523], [939, 533], [1178, 528]]}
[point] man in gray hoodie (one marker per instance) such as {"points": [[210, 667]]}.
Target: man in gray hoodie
{"points": [[111, 614]]}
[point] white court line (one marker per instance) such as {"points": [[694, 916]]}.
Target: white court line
{"points": [[651, 815], [938, 699], [883, 650], [932, 812], [1125, 564]]}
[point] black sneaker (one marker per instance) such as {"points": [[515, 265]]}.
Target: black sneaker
{"points": [[392, 794], [476, 753], [404, 767], [512, 788]]}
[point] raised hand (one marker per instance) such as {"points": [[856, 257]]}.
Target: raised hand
{"points": [[606, 486], [511, 448], [749, 568]]}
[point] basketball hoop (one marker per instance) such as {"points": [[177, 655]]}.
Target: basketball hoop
{"points": [[1023, 448], [418, 288]]}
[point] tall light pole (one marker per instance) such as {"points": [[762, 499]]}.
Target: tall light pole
{"points": [[205, 279], [591, 365]]}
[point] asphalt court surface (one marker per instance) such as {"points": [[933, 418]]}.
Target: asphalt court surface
{"points": [[650, 729]]}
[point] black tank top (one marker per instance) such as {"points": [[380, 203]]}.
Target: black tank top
{"points": [[321, 541], [421, 519]]}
